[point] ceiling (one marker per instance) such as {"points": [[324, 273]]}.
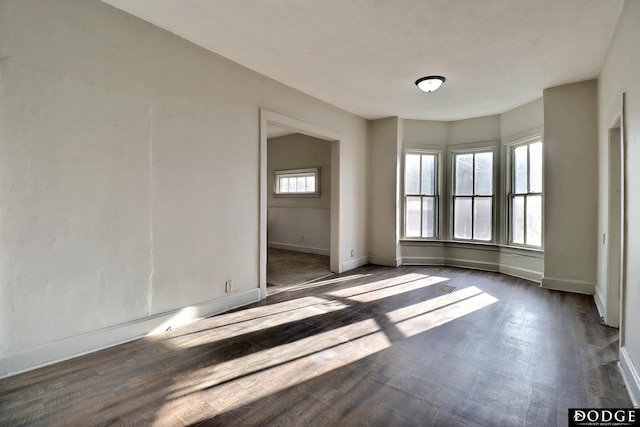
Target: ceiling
{"points": [[365, 55]]}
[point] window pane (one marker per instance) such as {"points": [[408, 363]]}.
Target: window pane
{"points": [[484, 174], [428, 174], [428, 217], [535, 165], [298, 181], [412, 174], [462, 218], [482, 218], [300, 184], [310, 183], [517, 220], [534, 220], [520, 169], [464, 177], [284, 184], [412, 219]]}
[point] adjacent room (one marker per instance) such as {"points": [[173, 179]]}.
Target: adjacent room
{"points": [[298, 209], [318, 213]]}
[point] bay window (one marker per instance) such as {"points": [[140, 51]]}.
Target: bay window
{"points": [[473, 195], [421, 194], [525, 197]]}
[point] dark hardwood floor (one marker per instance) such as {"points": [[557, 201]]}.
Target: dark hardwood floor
{"points": [[377, 346]]}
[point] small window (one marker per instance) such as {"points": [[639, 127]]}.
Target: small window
{"points": [[473, 195], [297, 182], [421, 195], [525, 198]]}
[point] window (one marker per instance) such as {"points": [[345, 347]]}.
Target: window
{"points": [[525, 199], [473, 195], [421, 194], [297, 182]]}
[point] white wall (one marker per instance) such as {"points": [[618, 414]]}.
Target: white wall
{"points": [[620, 75], [129, 178], [571, 186], [290, 218], [479, 129], [521, 119], [385, 149], [424, 133]]}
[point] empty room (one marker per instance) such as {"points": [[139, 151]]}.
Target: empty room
{"points": [[319, 212]]}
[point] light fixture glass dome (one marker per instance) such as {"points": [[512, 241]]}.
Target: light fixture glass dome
{"points": [[430, 83]]}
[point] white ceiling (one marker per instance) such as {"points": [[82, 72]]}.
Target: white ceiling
{"points": [[365, 55]]}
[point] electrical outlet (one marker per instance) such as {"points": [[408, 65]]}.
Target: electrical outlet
{"points": [[353, 253], [228, 286]]}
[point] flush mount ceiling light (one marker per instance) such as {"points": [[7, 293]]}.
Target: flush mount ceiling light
{"points": [[430, 83]]}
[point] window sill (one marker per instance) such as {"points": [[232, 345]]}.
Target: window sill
{"points": [[295, 195], [480, 245]]}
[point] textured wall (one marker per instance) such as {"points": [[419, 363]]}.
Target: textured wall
{"points": [[571, 186], [129, 164]]}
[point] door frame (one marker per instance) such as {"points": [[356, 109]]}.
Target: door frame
{"points": [[623, 220], [267, 118], [615, 226], [615, 304]]}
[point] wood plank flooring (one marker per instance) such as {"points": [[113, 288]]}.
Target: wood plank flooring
{"points": [[289, 268], [376, 346]]}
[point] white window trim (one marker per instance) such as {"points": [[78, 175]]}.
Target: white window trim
{"points": [[476, 147], [438, 193], [512, 143], [278, 173]]}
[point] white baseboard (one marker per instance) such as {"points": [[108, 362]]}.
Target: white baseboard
{"points": [[90, 342], [386, 261], [474, 265], [630, 376], [299, 248], [600, 303], [423, 260], [354, 263], [568, 285], [522, 273]]}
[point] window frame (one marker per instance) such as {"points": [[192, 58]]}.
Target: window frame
{"points": [[437, 189], [489, 147], [277, 174], [511, 194]]}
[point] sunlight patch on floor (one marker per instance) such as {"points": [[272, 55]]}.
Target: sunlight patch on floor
{"points": [[315, 283], [234, 382], [293, 362], [378, 288], [253, 320], [320, 283], [421, 317]]}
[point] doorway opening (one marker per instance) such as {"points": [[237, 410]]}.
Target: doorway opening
{"points": [[298, 209], [274, 124]]}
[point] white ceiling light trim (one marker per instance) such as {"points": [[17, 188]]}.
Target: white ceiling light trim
{"points": [[430, 83]]}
